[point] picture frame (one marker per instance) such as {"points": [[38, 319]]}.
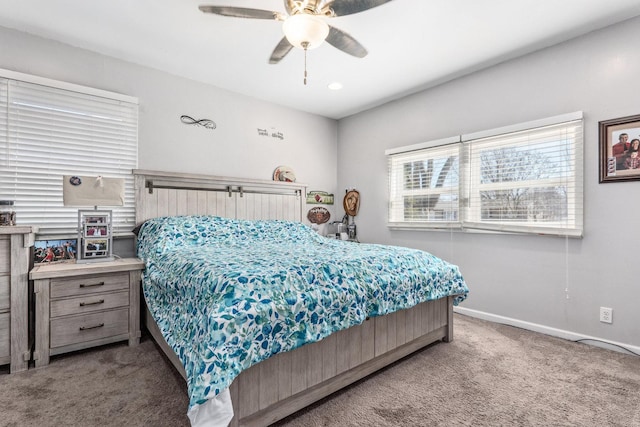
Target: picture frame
{"points": [[95, 230], [55, 251], [319, 197], [94, 236], [95, 217], [619, 139], [95, 248]]}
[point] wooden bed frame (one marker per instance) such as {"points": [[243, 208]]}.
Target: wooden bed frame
{"points": [[288, 382]]}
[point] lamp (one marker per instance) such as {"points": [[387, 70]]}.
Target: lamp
{"points": [[95, 237], [305, 31]]}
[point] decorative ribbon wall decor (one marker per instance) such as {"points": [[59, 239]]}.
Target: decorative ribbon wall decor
{"points": [[206, 123], [272, 133]]}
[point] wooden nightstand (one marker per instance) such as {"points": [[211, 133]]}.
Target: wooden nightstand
{"points": [[84, 305]]}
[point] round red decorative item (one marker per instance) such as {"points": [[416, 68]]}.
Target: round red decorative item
{"points": [[318, 215]]}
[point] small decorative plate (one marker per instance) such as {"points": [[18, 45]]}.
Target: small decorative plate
{"points": [[284, 173], [318, 215]]}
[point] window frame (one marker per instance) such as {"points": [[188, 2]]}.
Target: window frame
{"points": [[403, 155], [470, 213]]}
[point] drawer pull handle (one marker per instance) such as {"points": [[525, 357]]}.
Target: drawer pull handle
{"points": [[82, 285], [84, 328], [82, 304]]}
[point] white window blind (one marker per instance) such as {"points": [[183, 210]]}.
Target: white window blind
{"points": [[523, 178], [423, 187], [527, 181], [48, 132]]}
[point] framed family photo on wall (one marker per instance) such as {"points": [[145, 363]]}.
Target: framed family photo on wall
{"points": [[620, 149]]}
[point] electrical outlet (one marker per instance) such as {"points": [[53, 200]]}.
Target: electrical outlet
{"points": [[606, 315]]}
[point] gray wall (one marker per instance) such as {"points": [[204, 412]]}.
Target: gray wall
{"points": [[554, 282], [234, 148]]}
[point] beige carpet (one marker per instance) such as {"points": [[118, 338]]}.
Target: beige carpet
{"points": [[490, 375]]}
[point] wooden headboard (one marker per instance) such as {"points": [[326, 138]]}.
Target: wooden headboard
{"points": [[169, 193]]}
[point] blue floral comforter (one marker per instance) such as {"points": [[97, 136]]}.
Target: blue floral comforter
{"points": [[228, 293]]}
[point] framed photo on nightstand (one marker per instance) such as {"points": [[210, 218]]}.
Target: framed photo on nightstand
{"points": [[94, 235], [54, 251]]}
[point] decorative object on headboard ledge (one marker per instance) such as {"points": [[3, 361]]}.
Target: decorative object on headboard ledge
{"points": [[284, 173], [205, 123]]}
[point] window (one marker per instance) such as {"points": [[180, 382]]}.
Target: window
{"points": [[523, 178], [49, 129], [425, 187]]}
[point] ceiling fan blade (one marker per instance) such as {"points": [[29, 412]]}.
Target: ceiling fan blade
{"points": [[343, 41], [288, 7], [349, 7], [240, 12], [280, 51]]}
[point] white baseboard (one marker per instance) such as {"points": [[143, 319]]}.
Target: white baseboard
{"points": [[567, 335]]}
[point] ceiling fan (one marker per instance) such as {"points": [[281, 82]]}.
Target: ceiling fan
{"points": [[304, 24]]}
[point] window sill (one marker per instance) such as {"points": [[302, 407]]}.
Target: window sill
{"points": [[574, 234]]}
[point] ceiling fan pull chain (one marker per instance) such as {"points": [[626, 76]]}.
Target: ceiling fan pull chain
{"points": [[305, 45]]}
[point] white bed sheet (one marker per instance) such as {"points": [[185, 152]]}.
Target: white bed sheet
{"points": [[216, 412]]}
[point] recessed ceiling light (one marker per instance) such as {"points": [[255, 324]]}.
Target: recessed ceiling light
{"points": [[335, 86]]}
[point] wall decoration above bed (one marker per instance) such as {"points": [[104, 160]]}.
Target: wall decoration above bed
{"points": [[319, 197], [273, 133], [284, 174], [205, 123], [318, 215]]}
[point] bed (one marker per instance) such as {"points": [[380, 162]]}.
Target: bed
{"points": [[261, 314]]}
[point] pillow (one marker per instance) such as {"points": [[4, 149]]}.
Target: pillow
{"points": [[137, 228]]}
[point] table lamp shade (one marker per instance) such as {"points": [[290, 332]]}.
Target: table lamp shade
{"points": [[92, 191]]}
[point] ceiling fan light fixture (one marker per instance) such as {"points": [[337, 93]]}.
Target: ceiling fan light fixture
{"points": [[306, 29]]}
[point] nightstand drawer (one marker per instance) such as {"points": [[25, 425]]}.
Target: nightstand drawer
{"points": [[5, 292], [82, 285], [89, 303], [89, 327], [5, 335]]}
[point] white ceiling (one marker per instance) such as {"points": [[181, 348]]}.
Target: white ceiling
{"points": [[412, 44]]}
